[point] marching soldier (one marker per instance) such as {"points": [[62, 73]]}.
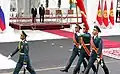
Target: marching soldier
{"points": [[96, 43], [23, 49], [85, 50], [75, 51]]}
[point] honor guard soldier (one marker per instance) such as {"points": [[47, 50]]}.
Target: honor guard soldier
{"points": [[75, 51], [85, 50], [96, 54], [24, 60]]}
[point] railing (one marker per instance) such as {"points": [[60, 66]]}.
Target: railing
{"points": [[58, 16]]}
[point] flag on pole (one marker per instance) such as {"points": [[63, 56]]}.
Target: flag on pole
{"points": [[99, 14], [2, 20], [111, 14], [105, 15], [80, 4]]}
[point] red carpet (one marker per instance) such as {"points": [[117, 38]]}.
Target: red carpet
{"points": [[107, 43]]}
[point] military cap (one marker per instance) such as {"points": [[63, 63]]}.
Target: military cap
{"points": [[24, 33], [78, 26], [97, 28]]}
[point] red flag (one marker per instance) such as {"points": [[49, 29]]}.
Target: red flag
{"points": [[111, 16], [99, 14], [80, 4], [105, 15]]}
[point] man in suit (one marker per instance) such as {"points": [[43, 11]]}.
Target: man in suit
{"points": [[76, 50], [41, 12], [24, 60], [34, 13], [85, 50], [96, 54]]}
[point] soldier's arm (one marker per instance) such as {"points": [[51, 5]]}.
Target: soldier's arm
{"points": [[12, 54], [100, 47]]}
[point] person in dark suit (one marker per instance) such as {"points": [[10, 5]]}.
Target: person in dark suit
{"points": [[41, 12], [96, 54], [34, 13]]}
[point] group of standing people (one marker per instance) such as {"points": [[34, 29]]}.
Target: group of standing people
{"points": [[87, 47], [41, 13]]}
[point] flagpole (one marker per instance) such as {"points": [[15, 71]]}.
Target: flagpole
{"points": [[77, 14]]}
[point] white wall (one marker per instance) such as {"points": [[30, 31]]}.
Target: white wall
{"points": [[92, 7], [53, 3]]}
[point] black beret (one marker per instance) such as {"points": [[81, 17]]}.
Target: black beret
{"points": [[24, 33], [97, 28]]}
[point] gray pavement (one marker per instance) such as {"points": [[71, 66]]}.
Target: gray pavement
{"points": [[48, 57], [113, 38]]}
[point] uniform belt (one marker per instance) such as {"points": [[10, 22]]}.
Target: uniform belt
{"points": [[97, 48], [87, 44], [22, 53]]}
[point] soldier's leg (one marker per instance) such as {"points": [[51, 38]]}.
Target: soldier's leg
{"points": [[90, 64], [104, 67], [29, 68], [84, 64], [74, 54], [18, 67], [93, 66], [80, 60]]}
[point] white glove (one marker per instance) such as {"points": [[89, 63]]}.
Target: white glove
{"points": [[9, 57], [79, 46], [78, 34], [25, 66], [101, 63], [98, 59]]}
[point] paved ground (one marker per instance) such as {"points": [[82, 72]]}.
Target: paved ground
{"points": [[48, 57], [114, 38]]}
